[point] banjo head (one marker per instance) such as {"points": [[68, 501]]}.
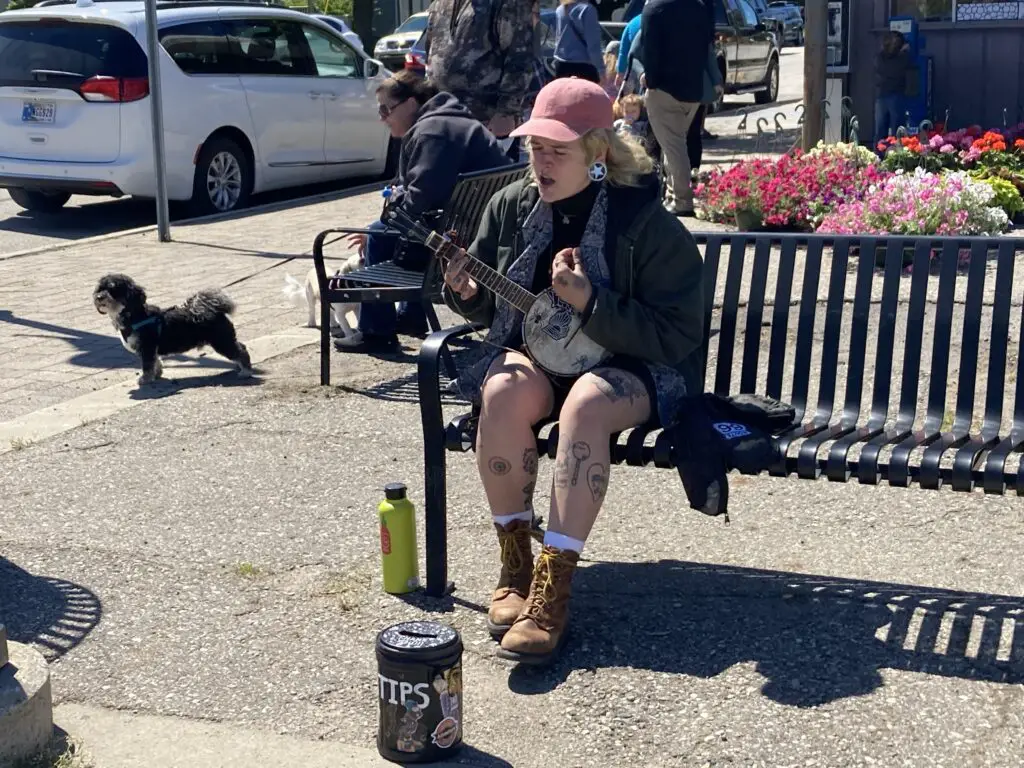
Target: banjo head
{"points": [[551, 331]]}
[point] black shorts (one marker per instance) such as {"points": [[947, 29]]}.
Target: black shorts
{"points": [[562, 384]]}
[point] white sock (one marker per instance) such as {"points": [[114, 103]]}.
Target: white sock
{"points": [[504, 520], [560, 540]]}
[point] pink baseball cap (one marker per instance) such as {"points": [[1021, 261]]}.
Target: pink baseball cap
{"points": [[566, 109]]}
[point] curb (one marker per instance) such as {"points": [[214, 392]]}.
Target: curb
{"points": [[213, 218]]}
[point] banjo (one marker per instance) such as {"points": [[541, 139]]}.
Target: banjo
{"points": [[551, 327]]}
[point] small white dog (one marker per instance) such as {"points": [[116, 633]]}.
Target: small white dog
{"points": [[311, 292]]}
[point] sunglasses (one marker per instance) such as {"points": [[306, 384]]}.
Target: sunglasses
{"points": [[384, 111]]}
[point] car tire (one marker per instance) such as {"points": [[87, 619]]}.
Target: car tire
{"points": [[39, 201], [223, 179], [771, 81]]}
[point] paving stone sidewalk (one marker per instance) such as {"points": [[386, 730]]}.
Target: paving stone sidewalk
{"points": [[214, 556], [54, 345]]}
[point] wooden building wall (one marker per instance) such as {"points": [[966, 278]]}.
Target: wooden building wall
{"points": [[978, 67]]}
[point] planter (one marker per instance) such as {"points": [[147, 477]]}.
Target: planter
{"points": [[748, 221], [880, 256]]}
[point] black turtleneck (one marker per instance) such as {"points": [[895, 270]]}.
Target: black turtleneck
{"points": [[570, 220]]}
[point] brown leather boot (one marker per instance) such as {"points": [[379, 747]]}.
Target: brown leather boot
{"points": [[514, 582], [538, 633]]}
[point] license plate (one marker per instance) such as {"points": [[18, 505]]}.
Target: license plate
{"points": [[38, 112]]}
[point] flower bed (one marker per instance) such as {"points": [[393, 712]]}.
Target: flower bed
{"points": [[794, 192], [921, 203]]}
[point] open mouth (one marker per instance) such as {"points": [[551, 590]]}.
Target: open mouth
{"points": [[545, 181]]}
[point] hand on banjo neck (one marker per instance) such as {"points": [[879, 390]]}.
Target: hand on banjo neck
{"points": [[568, 280]]}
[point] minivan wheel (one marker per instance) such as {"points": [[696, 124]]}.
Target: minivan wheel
{"points": [[38, 200], [223, 178], [771, 80]]}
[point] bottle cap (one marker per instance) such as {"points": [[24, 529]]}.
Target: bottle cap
{"points": [[394, 491]]}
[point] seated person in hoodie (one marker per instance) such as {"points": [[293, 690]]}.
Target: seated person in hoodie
{"points": [[440, 139]]}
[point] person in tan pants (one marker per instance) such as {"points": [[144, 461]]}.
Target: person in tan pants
{"points": [[674, 39]]}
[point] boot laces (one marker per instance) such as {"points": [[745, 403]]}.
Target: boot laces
{"points": [[543, 593], [512, 551]]}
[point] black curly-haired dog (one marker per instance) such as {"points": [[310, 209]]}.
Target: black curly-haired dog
{"points": [[149, 332]]}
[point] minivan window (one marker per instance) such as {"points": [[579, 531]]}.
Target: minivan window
{"points": [[331, 57], [60, 53], [270, 47], [199, 48]]}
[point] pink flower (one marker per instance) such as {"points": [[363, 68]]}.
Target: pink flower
{"points": [[947, 149]]}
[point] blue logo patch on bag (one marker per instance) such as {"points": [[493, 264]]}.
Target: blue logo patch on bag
{"points": [[730, 430]]}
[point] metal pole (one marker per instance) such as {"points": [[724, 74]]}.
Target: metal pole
{"points": [[156, 114], [815, 37]]}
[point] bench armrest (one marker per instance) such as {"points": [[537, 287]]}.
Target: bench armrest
{"points": [[428, 375]]}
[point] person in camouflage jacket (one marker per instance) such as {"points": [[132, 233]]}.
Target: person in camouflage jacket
{"points": [[483, 52]]}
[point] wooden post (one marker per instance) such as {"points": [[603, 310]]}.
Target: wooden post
{"points": [[815, 34]]}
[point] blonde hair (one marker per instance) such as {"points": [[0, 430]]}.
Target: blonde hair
{"points": [[611, 62], [626, 160], [625, 102]]}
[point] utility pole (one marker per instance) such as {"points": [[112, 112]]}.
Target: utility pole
{"points": [[815, 35], [156, 116]]}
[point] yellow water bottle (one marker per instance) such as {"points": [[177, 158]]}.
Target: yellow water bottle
{"points": [[398, 541]]}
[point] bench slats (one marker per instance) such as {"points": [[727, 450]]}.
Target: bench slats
{"points": [[755, 316], [730, 310], [779, 342]]}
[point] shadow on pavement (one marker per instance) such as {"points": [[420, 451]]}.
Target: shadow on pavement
{"points": [[49, 613], [168, 387], [816, 639], [95, 350]]}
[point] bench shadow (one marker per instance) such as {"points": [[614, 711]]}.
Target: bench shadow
{"points": [[815, 639], [49, 613]]}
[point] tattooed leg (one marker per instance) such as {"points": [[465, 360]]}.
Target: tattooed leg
{"points": [[515, 397], [600, 404]]}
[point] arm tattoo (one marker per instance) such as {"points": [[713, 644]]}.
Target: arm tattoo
{"points": [[597, 479], [580, 453], [499, 466], [530, 461]]}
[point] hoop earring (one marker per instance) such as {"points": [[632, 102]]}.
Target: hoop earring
{"points": [[597, 171]]}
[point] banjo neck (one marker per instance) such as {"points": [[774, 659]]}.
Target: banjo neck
{"points": [[489, 278]]}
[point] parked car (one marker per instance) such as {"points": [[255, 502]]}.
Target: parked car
{"points": [[341, 26], [748, 52], [792, 21], [390, 50], [256, 98]]}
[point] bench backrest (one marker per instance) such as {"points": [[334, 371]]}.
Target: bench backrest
{"points": [[465, 210], [950, 330], [466, 206]]}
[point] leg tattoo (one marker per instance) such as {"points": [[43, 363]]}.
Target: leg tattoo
{"points": [[562, 470], [580, 452], [597, 480], [528, 495], [499, 466], [616, 385], [530, 461]]}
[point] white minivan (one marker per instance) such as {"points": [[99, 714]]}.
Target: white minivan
{"points": [[255, 98]]}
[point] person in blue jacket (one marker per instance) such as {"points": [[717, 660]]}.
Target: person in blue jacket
{"points": [[578, 49]]}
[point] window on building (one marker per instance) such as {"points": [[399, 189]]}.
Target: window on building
{"points": [[966, 10]]}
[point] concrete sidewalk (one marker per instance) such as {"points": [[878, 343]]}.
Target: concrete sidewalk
{"points": [[118, 739]]}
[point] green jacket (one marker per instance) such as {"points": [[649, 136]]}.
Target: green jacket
{"points": [[654, 309]]}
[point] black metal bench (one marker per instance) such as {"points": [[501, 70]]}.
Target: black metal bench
{"points": [[389, 282], [863, 426]]}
